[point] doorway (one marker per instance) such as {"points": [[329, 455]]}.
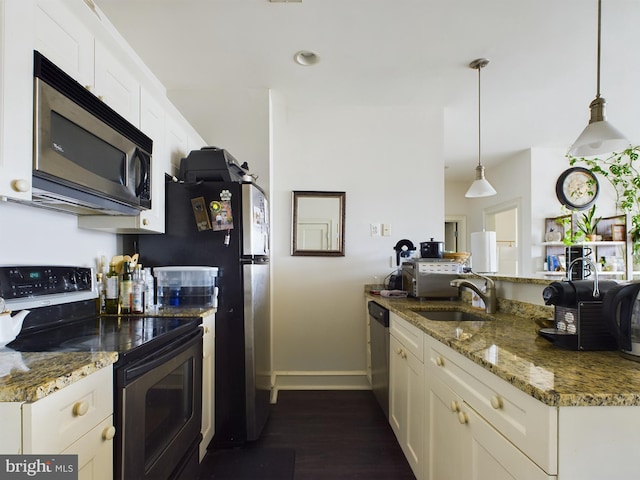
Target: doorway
{"points": [[504, 220], [455, 233]]}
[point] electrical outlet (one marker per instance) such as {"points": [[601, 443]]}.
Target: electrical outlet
{"points": [[375, 229], [386, 230]]}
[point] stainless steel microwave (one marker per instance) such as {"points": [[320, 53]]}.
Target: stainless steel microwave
{"points": [[87, 158]]}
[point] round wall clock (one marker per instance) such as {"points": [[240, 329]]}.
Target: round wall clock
{"points": [[577, 188]]}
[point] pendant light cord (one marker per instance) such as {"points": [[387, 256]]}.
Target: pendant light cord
{"points": [[598, 69], [479, 120]]}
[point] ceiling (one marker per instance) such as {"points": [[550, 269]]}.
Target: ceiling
{"points": [[535, 91]]}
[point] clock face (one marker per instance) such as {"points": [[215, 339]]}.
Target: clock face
{"points": [[577, 188]]}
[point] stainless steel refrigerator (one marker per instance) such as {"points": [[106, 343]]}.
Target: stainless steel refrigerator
{"points": [[226, 224]]}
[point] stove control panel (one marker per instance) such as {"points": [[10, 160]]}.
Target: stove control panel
{"points": [[21, 282]]}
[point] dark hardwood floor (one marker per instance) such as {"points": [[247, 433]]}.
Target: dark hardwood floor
{"points": [[335, 435]]}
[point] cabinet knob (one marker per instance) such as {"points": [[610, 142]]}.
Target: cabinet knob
{"points": [[399, 352], [496, 402], [80, 408], [145, 222], [440, 361], [20, 185], [462, 418], [455, 406], [109, 432], [404, 354], [87, 88], [101, 98]]}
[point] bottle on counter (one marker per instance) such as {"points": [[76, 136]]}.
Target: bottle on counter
{"points": [[100, 285], [137, 291], [126, 286], [111, 302], [149, 290], [100, 301]]}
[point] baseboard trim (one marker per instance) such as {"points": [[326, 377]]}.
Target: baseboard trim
{"points": [[318, 380]]}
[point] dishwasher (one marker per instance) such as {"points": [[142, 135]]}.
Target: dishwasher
{"points": [[379, 338]]}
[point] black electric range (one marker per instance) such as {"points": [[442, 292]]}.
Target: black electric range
{"points": [[62, 318], [157, 379]]}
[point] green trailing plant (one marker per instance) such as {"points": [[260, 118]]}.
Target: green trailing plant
{"points": [[623, 172], [571, 236]]}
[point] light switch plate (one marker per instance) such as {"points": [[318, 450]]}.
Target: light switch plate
{"points": [[375, 229]]}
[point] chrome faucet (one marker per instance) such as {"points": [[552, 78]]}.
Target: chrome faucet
{"points": [[489, 296], [592, 267]]}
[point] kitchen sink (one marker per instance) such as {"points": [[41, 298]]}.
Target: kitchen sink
{"points": [[451, 316]]}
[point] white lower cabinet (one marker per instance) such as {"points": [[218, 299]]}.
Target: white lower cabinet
{"points": [[463, 445], [208, 382], [479, 426], [455, 420], [406, 390], [77, 419]]}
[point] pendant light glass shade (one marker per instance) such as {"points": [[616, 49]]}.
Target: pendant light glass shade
{"points": [[599, 137], [481, 186]]}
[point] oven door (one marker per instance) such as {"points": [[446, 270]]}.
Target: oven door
{"points": [[160, 417]]}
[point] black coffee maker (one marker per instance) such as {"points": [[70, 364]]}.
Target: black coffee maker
{"points": [[579, 320], [404, 249]]}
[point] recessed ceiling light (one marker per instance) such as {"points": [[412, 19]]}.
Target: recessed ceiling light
{"points": [[306, 58]]}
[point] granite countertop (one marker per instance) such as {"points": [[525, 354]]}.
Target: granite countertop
{"points": [[509, 346], [27, 377]]}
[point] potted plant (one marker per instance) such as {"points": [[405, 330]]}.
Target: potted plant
{"points": [[622, 171], [588, 224]]}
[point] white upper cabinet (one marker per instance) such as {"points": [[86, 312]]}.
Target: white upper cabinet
{"points": [[116, 86], [16, 94], [65, 41]]}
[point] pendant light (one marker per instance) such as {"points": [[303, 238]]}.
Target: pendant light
{"points": [[599, 137], [480, 187]]}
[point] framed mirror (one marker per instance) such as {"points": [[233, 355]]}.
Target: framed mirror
{"points": [[318, 224]]}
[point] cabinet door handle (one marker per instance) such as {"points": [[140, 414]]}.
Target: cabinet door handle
{"points": [[80, 408], [463, 418], [404, 354], [440, 361], [21, 185], [109, 432], [496, 402], [399, 352], [454, 406]]}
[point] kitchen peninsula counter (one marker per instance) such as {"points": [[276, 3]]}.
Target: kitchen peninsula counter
{"points": [[509, 346], [30, 376]]}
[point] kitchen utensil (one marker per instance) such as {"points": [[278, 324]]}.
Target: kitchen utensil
{"points": [[10, 326], [431, 249]]}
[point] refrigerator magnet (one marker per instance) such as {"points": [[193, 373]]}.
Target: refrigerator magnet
{"points": [[222, 215], [200, 214]]}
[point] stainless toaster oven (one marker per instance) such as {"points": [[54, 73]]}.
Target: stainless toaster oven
{"points": [[430, 278]]}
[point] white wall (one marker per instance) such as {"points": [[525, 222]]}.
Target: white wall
{"points": [[392, 172], [30, 236]]}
